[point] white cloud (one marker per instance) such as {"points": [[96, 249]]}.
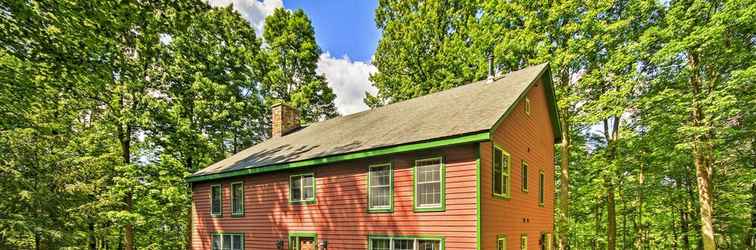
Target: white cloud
{"points": [[254, 11], [349, 80]]}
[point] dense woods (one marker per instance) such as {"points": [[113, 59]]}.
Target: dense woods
{"points": [[105, 107], [657, 103]]}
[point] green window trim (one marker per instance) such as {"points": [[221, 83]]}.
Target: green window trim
{"points": [[382, 209], [221, 235], [311, 200], [294, 238], [219, 213], [524, 175], [501, 242], [505, 174], [391, 238], [235, 213], [442, 192], [524, 241], [541, 188]]}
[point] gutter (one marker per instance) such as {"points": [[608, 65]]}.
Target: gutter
{"points": [[434, 143]]}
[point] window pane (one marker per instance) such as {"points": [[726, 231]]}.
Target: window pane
{"points": [[226, 242], [380, 244], [540, 188], [428, 245], [296, 188], [216, 199], [216, 244], [237, 242], [428, 184], [497, 169], [404, 244], [524, 176], [308, 187], [501, 244], [380, 186], [237, 201]]}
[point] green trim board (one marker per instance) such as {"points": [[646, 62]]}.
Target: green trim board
{"points": [[435, 143], [442, 192], [233, 191], [220, 206], [294, 238], [311, 200], [390, 207], [478, 205], [441, 239]]}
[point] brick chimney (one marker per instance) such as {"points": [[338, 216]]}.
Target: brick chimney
{"points": [[285, 119]]}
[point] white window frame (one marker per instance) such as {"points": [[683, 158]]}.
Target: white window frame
{"points": [[233, 191], [220, 201], [390, 206], [415, 240], [220, 234], [440, 206], [302, 188]]}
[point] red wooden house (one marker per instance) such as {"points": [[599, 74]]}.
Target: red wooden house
{"points": [[467, 168]]}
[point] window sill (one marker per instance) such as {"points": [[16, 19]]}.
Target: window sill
{"points": [[304, 202], [237, 215], [502, 197], [380, 210], [429, 209]]}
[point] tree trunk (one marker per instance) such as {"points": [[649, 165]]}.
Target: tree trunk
{"points": [[611, 220], [125, 139], [640, 243], [92, 238], [564, 180], [702, 155], [752, 233]]}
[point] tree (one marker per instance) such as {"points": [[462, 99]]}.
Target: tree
{"points": [[425, 47], [291, 62], [702, 44]]}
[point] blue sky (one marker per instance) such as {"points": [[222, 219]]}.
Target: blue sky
{"points": [[346, 33], [342, 27]]}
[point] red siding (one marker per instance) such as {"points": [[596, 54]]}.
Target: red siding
{"points": [[529, 138], [340, 215]]}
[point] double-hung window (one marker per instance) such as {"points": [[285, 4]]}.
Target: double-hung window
{"points": [[216, 200], [501, 242], [404, 243], [524, 242], [527, 105], [302, 188], [380, 188], [237, 199], [429, 184], [541, 191], [501, 172], [228, 241]]}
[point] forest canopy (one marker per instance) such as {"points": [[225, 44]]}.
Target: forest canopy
{"points": [[106, 106]]}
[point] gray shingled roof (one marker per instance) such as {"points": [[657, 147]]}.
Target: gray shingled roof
{"points": [[470, 108]]}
